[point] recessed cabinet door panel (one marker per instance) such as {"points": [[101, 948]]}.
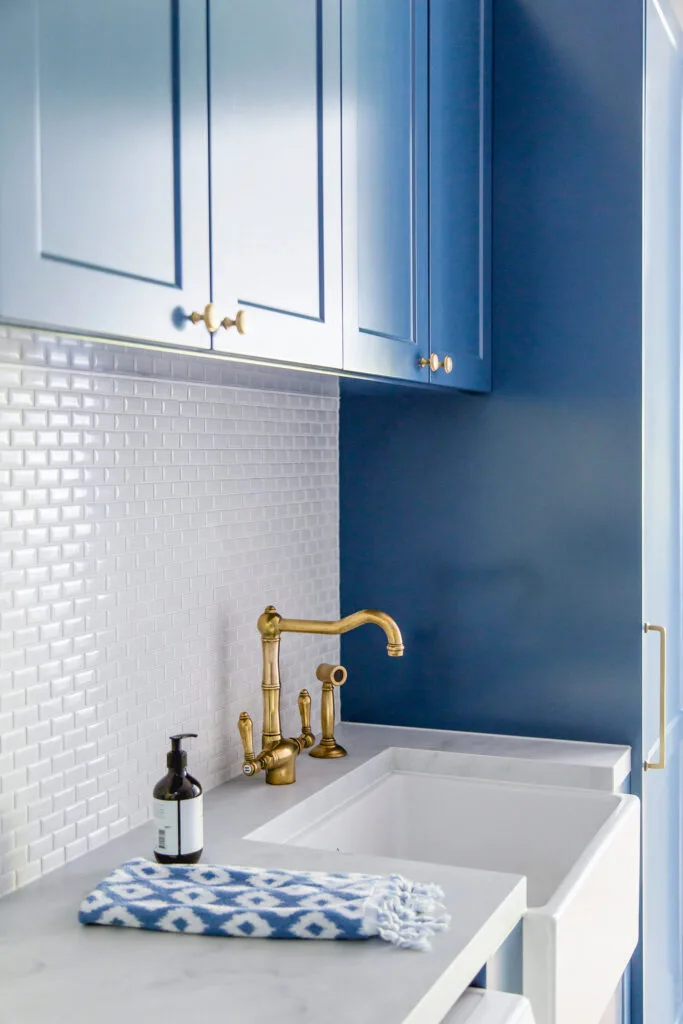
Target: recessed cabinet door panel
{"points": [[385, 183], [459, 204], [275, 171], [104, 171]]}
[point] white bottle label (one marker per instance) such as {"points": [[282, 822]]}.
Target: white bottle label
{"points": [[179, 826]]}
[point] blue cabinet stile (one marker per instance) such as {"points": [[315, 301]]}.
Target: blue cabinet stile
{"points": [[104, 221]]}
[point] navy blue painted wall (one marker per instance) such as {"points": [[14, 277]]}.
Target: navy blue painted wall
{"points": [[503, 532]]}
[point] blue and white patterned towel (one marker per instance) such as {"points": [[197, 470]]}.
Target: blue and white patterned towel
{"points": [[206, 899]]}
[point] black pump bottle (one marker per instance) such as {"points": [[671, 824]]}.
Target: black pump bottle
{"points": [[178, 810]]}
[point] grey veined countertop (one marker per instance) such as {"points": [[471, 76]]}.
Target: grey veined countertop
{"points": [[55, 971]]}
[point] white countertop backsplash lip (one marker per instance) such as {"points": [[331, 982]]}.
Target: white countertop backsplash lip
{"points": [[613, 757], [55, 969]]}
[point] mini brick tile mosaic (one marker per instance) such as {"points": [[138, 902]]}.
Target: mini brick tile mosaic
{"points": [[151, 505]]}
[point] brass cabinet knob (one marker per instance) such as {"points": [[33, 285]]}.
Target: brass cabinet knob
{"points": [[434, 363], [209, 318], [238, 322]]}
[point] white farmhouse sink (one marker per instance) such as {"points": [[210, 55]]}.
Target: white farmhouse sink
{"points": [[579, 850]]}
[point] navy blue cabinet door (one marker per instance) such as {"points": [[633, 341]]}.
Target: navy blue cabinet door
{"points": [[416, 159], [385, 113], [460, 190], [276, 177], [104, 166]]}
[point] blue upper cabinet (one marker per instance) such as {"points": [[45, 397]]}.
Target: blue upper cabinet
{"points": [[416, 158], [385, 112], [162, 155], [104, 221], [276, 177]]}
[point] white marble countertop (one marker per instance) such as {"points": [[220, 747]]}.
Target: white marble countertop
{"points": [[55, 971]]}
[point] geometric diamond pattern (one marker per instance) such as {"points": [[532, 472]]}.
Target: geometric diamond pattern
{"points": [[315, 926], [205, 899], [247, 926]]}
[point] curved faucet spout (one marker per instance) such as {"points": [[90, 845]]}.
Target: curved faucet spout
{"points": [[369, 615], [271, 625]]}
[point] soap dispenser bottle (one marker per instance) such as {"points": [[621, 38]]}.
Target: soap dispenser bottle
{"points": [[178, 810]]}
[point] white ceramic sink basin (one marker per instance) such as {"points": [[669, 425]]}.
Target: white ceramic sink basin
{"points": [[579, 850]]}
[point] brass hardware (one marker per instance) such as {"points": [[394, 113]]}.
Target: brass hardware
{"points": [[238, 322], [278, 756], [304, 701], [434, 363], [656, 765], [209, 317], [246, 728], [330, 676], [271, 625]]}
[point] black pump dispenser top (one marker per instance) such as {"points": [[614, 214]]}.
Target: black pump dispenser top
{"points": [[176, 759]]}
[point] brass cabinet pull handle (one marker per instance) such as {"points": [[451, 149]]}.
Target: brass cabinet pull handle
{"points": [[238, 322], [434, 363], [654, 765], [209, 317]]}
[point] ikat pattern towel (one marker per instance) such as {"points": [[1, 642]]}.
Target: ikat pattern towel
{"points": [[207, 899]]}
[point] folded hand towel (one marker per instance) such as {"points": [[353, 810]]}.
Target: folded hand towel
{"points": [[208, 899]]}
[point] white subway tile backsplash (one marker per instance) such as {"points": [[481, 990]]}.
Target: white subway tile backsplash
{"points": [[150, 506]]}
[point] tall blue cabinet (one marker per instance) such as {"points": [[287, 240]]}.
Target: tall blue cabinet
{"points": [[662, 726], [524, 539]]}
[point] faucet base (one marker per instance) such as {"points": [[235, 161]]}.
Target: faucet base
{"points": [[328, 748], [277, 777], [282, 768]]}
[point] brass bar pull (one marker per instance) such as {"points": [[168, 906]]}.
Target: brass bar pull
{"points": [[330, 676], [655, 765]]}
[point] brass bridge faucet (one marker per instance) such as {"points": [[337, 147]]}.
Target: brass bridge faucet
{"points": [[278, 756]]}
